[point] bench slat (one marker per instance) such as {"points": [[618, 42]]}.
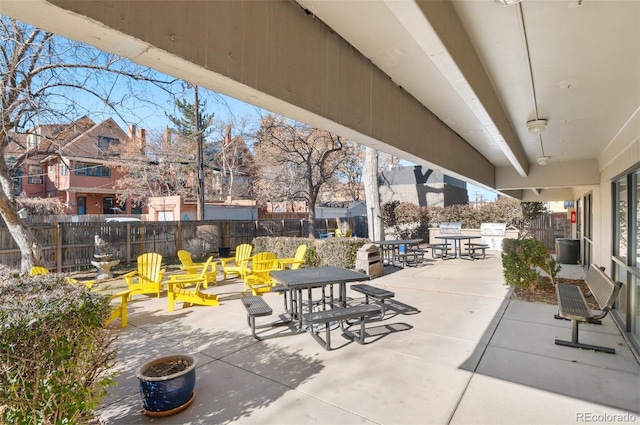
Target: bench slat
{"points": [[256, 306], [572, 303], [341, 314], [327, 316], [372, 291]]}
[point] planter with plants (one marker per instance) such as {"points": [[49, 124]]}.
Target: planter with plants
{"points": [[167, 384]]}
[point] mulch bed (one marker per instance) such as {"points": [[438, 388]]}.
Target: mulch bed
{"points": [[545, 292]]}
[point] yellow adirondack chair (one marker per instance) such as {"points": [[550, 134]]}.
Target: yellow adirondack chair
{"points": [[257, 278], [149, 275], [243, 254], [39, 270], [196, 268], [346, 234], [119, 310], [294, 262], [179, 290]]}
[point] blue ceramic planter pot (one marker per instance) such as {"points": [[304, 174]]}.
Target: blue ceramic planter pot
{"points": [[171, 393]]}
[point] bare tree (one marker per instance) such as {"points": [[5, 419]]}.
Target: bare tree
{"points": [[163, 166], [234, 159], [295, 161], [350, 171], [44, 79]]}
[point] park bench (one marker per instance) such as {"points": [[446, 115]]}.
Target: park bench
{"points": [[472, 248], [378, 294], [256, 307], [340, 314], [573, 306]]}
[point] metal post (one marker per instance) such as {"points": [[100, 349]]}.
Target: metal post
{"points": [[200, 204]]}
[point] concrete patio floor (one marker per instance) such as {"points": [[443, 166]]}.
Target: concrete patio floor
{"points": [[452, 349]]}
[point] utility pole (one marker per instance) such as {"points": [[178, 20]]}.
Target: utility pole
{"points": [[200, 204]]}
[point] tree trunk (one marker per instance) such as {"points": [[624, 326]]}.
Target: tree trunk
{"points": [[371, 194], [29, 248], [312, 215]]}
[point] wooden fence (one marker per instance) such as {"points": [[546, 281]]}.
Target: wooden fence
{"points": [[548, 227], [70, 246]]}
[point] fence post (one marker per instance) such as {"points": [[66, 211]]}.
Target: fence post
{"points": [[224, 233], [179, 237], [128, 249], [57, 235]]}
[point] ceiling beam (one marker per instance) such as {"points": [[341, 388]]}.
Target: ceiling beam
{"points": [[553, 175], [451, 50]]}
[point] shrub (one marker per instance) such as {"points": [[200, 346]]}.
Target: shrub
{"points": [[521, 259], [55, 354], [339, 252]]}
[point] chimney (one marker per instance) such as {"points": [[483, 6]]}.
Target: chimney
{"points": [[131, 131], [142, 140], [227, 136]]}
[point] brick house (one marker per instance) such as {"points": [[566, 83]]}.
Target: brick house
{"points": [[70, 162]]}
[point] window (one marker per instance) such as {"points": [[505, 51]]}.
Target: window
{"points": [[35, 175], [136, 207], [108, 205], [32, 141], [92, 170], [64, 170], [626, 251]]}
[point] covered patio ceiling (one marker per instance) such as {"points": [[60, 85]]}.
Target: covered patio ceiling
{"points": [[482, 69]]}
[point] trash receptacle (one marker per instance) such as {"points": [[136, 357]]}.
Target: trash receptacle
{"points": [[567, 250]]}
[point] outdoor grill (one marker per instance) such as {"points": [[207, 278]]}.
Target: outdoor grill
{"points": [[369, 260]]}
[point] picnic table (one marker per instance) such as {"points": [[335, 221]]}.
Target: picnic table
{"points": [[330, 308], [400, 252], [457, 242]]}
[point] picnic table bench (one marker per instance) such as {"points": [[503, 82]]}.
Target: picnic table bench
{"points": [[573, 306], [256, 307], [473, 247], [439, 250], [375, 293], [340, 314], [409, 257]]}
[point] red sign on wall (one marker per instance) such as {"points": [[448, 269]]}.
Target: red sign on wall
{"points": [[574, 217]]}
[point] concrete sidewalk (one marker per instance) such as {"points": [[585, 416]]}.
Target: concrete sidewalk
{"points": [[452, 349]]}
